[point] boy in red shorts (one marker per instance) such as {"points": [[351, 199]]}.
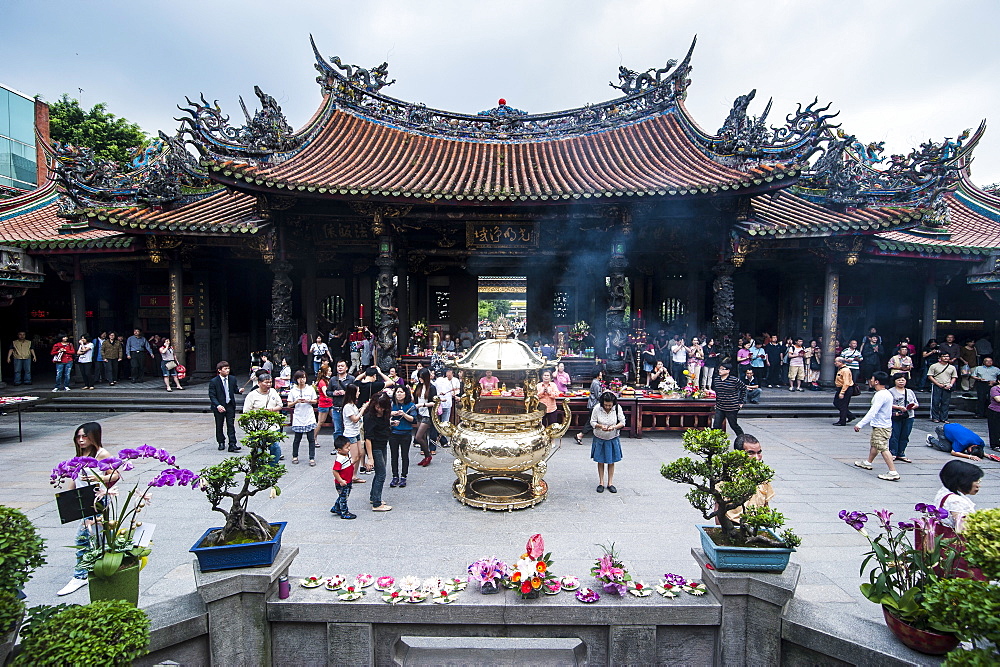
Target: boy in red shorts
{"points": [[343, 476]]}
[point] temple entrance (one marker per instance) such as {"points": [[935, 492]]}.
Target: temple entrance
{"points": [[503, 296]]}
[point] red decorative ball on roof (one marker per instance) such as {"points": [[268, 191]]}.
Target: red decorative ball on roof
{"points": [[502, 102]]}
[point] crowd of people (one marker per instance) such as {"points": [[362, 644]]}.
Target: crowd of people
{"points": [[375, 417], [105, 358]]}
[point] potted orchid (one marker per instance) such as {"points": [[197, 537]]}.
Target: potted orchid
{"points": [[533, 569], [113, 557], [906, 559], [611, 572], [489, 572]]}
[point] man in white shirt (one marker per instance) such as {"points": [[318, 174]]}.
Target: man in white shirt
{"points": [[879, 415], [447, 388], [678, 360]]}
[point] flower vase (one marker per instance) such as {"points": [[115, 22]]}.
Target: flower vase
{"points": [[489, 588], [122, 585], [925, 641], [614, 589], [533, 595]]}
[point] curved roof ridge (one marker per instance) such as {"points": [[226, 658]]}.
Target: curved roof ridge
{"points": [[645, 94], [30, 200]]}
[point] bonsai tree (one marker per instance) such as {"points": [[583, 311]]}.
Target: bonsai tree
{"points": [[723, 479], [970, 608], [239, 478], [21, 549], [106, 632]]}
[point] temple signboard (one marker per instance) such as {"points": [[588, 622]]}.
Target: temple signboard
{"points": [[501, 235]]}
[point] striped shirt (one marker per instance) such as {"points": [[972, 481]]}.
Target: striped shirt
{"points": [[730, 393]]}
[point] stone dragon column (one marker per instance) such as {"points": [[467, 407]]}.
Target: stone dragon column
{"points": [[388, 328], [617, 335]]}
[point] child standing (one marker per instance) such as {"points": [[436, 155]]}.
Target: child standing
{"points": [[343, 476]]}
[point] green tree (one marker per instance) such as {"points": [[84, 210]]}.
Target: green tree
{"points": [[110, 137], [493, 308]]}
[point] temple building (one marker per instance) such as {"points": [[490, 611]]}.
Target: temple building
{"points": [[624, 213]]}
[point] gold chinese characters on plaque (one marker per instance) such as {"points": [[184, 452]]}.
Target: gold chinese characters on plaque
{"points": [[501, 235]]}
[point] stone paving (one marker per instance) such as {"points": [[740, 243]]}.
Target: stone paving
{"points": [[429, 533]]}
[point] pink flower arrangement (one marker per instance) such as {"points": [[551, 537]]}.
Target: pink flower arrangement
{"points": [[611, 572]]}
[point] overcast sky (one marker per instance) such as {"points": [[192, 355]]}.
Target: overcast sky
{"points": [[900, 71]]}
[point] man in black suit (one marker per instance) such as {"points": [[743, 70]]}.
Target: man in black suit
{"points": [[222, 390]]}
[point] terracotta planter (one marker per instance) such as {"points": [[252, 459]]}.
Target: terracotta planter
{"points": [[925, 641], [122, 585]]}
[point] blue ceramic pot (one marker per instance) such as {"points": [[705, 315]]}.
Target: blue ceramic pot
{"points": [[743, 559], [233, 556]]}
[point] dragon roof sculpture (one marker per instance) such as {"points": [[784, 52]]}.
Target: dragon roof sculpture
{"points": [[161, 173]]}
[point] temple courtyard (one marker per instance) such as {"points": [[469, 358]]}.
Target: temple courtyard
{"points": [[428, 533]]}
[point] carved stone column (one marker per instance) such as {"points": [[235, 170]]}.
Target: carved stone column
{"points": [[388, 328], [387, 336], [177, 304], [831, 300], [930, 310], [282, 326], [204, 360], [617, 335], [723, 304], [79, 307]]}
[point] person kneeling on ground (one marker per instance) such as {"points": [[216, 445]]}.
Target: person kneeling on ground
{"points": [[958, 440]]}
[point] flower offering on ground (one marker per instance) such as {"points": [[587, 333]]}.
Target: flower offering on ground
{"points": [[488, 571], [611, 572], [671, 585], [533, 569], [639, 589]]}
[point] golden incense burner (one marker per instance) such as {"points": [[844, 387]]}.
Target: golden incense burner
{"points": [[501, 446]]}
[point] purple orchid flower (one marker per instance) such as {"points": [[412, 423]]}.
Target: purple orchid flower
{"points": [[174, 477], [884, 516], [855, 520]]}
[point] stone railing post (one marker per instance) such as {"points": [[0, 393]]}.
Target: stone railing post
{"points": [[239, 633], [752, 604]]}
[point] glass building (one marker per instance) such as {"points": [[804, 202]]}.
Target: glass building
{"points": [[18, 168]]}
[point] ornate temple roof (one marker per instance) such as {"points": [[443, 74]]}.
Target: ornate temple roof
{"points": [[364, 144], [222, 212], [971, 229], [354, 156], [32, 221], [785, 215]]}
